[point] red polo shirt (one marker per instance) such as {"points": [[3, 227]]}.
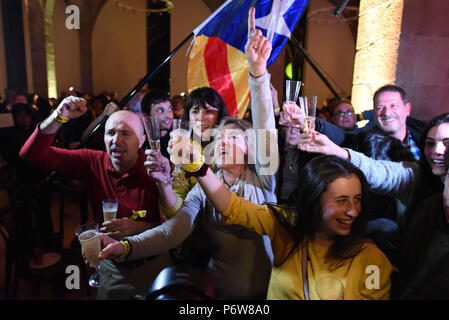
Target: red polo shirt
{"points": [[135, 190]]}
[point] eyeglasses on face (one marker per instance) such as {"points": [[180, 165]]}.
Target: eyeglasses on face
{"points": [[341, 114]]}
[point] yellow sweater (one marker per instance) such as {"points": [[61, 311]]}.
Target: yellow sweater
{"points": [[358, 275]]}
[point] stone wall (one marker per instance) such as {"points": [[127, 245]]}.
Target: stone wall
{"points": [[423, 64]]}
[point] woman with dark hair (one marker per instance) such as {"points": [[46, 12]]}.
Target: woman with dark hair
{"points": [[424, 259], [240, 261], [410, 182], [431, 144], [320, 238], [205, 107]]}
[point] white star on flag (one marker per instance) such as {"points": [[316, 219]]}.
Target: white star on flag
{"points": [[274, 22]]}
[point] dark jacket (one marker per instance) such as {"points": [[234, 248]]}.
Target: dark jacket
{"points": [[434, 285]]}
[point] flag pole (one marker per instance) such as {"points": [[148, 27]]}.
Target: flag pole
{"points": [[136, 89], [319, 73]]}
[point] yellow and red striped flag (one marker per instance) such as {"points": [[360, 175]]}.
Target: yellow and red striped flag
{"points": [[217, 59]]}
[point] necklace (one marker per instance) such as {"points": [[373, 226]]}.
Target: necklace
{"points": [[291, 158]]}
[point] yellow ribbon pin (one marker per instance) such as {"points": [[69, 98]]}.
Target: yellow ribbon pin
{"points": [[138, 213]]}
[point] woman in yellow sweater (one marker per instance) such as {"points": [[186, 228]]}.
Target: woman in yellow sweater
{"points": [[320, 239]]}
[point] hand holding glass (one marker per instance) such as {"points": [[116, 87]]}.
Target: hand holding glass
{"points": [[89, 237], [152, 129], [182, 129], [292, 88]]}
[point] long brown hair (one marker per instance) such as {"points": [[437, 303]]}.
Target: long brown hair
{"points": [[303, 221]]}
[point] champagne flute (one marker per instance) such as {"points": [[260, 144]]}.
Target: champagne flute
{"points": [[329, 287], [110, 207], [182, 129], [292, 88], [152, 128], [308, 104], [89, 237]]}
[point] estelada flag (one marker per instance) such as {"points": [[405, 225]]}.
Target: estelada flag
{"points": [[217, 59]]}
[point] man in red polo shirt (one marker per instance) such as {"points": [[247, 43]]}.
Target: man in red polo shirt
{"points": [[117, 173]]}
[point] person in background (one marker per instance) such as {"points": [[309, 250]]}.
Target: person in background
{"points": [[324, 114], [391, 109], [425, 253], [157, 104], [178, 103], [409, 182], [344, 117]]}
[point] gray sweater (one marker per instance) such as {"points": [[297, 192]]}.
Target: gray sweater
{"points": [[396, 179]]}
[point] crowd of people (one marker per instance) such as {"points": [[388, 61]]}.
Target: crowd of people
{"points": [[267, 211]]}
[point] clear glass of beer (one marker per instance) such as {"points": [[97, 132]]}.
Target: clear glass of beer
{"points": [[110, 207]]}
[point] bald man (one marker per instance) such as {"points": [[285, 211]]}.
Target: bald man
{"points": [[118, 173]]}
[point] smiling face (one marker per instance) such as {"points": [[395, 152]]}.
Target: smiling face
{"points": [[123, 137], [390, 114], [231, 147], [204, 119], [341, 205], [163, 111], [434, 147]]}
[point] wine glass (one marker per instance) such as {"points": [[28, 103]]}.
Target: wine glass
{"points": [[89, 237], [329, 287], [152, 128], [182, 129], [289, 107]]}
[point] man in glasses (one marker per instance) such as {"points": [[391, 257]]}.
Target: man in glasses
{"points": [[344, 116]]}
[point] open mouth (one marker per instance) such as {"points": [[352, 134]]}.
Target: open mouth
{"points": [[438, 163], [166, 123], [117, 153], [388, 120], [345, 223]]}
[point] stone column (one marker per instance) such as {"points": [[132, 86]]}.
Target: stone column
{"points": [[376, 58]]}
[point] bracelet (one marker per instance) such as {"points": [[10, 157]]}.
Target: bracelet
{"points": [[127, 250], [196, 165], [201, 172], [60, 118]]}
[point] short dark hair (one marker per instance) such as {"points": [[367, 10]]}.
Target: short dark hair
{"points": [[151, 98], [391, 88], [201, 96], [341, 102], [378, 145]]}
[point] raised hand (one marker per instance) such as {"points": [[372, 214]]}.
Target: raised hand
{"points": [[257, 48], [292, 115], [72, 107]]}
